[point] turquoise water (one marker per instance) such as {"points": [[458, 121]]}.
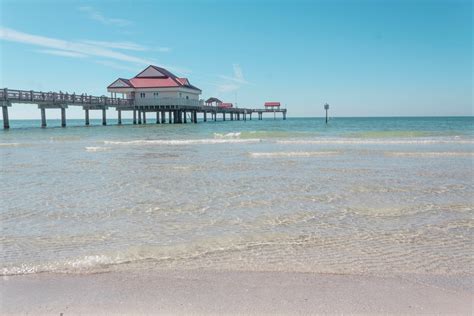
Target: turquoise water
{"points": [[361, 195]]}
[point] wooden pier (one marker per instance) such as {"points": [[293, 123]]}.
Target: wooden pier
{"points": [[171, 110]]}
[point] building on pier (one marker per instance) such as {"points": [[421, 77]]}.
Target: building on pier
{"points": [[154, 83], [213, 101], [272, 105], [225, 105]]}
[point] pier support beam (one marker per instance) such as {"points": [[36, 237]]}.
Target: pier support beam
{"points": [[139, 117], [284, 115], [63, 117], [104, 117], [134, 117], [205, 116], [144, 117], [163, 117], [250, 115], [175, 117], [238, 116], [170, 117], [185, 118], [215, 116], [223, 116], [119, 117], [86, 112], [195, 116], [43, 117], [231, 116], [157, 117], [6, 121]]}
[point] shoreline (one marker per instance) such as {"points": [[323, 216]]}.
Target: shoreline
{"points": [[235, 292]]}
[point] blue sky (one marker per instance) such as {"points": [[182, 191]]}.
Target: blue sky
{"points": [[365, 58]]}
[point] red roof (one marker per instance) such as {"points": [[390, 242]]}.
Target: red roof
{"points": [[155, 77], [272, 104], [153, 82], [225, 105]]}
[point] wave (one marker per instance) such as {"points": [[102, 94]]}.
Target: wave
{"points": [[263, 134], [430, 154], [293, 154], [94, 149], [226, 136], [182, 142], [11, 144], [349, 141]]}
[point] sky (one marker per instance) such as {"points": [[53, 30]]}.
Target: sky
{"points": [[363, 57]]}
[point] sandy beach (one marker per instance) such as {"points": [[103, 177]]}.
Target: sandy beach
{"points": [[232, 292]]}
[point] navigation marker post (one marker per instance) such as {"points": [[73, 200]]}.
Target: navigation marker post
{"points": [[326, 107]]}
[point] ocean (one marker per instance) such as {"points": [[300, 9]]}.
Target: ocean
{"points": [[378, 196]]}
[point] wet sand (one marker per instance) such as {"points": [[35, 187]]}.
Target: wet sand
{"points": [[231, 292]]}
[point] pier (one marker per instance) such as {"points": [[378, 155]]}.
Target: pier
{"points": [[171, 110]]}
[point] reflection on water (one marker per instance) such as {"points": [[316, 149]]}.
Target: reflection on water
{"points": [[256, 195]]}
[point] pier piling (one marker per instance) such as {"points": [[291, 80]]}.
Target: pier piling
{"points": [[134, 117], [119, 117], [139, 117], [43, 117], [157, 117], [144, 117], [163, 117], [86, 111], [169, 117], [63, 117], [104, 117]]}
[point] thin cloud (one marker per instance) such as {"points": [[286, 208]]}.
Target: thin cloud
{"points": [[79, 48], [232, 83], [127, 46], [61, 53], [95, 15], [112, 64], [117, 45]]}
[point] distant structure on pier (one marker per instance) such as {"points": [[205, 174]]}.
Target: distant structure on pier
{"points": [[154, 83], [273, 105], [225, 105], [213, 101]]}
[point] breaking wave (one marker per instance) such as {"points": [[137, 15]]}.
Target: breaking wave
{"points": [[430, 154], [293, 154], [350, 141], [182, 142]]}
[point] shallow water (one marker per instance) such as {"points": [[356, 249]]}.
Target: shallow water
{"points": [[362, 195]]}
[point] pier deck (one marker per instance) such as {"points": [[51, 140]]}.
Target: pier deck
{"points": [[171, 110]]}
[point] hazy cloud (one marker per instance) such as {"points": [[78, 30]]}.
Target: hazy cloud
{"points": [[74, 48], [95, 15], [232, 83], [61, 53]]}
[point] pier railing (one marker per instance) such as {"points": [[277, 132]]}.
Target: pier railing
{"points": [[55, 97]]}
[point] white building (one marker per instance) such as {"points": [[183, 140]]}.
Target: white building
{"points": [[156, 86]]}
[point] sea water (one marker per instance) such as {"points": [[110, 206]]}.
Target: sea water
{"points": [[360, 195]]}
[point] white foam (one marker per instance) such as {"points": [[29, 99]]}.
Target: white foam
{"points": [[10, 144], [293, 154], [358, 141], [182, 142], [430, 154], [94, 149], [228, 135]]}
